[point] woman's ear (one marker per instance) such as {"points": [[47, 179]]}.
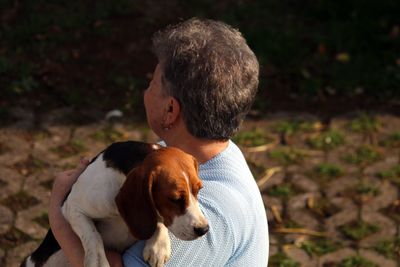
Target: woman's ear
{"points": [[171, 111], [135, 204]]}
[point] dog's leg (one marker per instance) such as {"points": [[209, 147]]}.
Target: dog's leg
{"points": [[91, 240], [47, 248], [158, 248], [57, 259]]}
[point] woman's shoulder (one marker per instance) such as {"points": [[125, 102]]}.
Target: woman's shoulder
{"points": [[231, 158]]}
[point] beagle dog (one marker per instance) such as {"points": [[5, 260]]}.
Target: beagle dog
{"points": [[131, 191]]}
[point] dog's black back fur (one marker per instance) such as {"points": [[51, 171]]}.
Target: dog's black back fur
{"points": [[122, 156], [47, 248]]}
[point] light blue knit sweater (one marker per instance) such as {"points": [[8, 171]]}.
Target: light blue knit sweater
{"points": [[232, 203]]}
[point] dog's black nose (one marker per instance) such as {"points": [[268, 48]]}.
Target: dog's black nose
{"points": [[200, 231]]}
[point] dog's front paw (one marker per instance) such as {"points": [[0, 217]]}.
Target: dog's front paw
{"points": [[157, 252]]}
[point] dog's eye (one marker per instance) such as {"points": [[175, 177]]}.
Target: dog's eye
{"points": [[177, 201]]}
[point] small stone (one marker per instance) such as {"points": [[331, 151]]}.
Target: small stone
{"points": [[305, 184], [376, 258], [387, 196], [387, 228], [337, 256], [16, 255], [333, 223], [340, 185], [305, 219], [273, 250], [300, 256]]}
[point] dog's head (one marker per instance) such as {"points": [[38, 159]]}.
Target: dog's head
{"points": [[163, 188]]}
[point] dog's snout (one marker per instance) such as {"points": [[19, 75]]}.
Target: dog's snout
{"points": [[200, 231]]}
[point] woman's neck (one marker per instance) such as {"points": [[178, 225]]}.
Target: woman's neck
{"points": [[202, 149]]}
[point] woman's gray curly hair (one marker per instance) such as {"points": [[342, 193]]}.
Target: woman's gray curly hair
{"points": [[209, 68]]}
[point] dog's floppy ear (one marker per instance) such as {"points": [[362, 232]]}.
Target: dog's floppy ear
{"points": [[196, 165], [135, 203]]}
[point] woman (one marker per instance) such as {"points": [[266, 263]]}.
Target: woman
{"points": [[202, 87]]}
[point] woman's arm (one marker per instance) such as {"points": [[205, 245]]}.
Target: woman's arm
{"points": [[66, 237]]}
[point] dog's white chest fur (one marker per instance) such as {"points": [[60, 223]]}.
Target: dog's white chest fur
{"points": [[95, 190], [93, 195]]}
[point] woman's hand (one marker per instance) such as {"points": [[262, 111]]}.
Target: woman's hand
{"points": [[64, 181]]}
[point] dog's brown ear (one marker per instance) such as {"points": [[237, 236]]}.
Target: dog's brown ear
{"points": [[135, 203], [196, 165]]}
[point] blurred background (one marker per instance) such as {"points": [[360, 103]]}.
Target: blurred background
{"points": [[326, 57], [322, 140]]}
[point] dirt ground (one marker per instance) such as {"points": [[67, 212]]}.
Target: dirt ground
{"points": [[330, 188]]}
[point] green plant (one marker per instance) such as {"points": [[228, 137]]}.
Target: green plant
{"points": [[392, 174], [367, 189], [107, 135], [327, 170], [351, 51], [287, 156], [71, 148], [364, 123], [277, 42], [281, 260], [284, 191], [78, 145], [357, 261], [38, 163], [289, 127], [358, 230], [252, 138], [363, 155], [319, 246], [392, 140], [327, 140], [363, 192], [389, 248]]}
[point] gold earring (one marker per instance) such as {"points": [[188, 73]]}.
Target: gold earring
{"points": [[166, 127]]}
